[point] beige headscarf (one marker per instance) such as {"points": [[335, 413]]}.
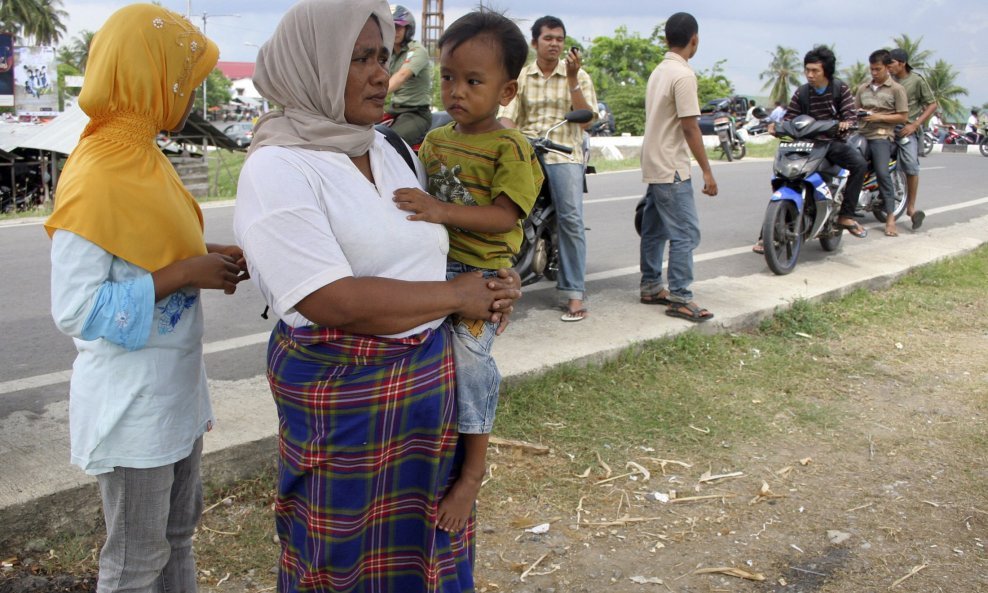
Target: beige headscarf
{"points": [[303, 68]]}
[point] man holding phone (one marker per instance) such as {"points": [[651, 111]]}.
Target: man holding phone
{"points": [[548, 88]]}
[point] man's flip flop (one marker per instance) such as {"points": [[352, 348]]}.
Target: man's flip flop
{"points": [[853, 229], [696, 314], [918, 217], [572, 316]]}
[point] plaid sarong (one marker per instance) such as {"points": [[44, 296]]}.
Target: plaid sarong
{"points": [[367, 443]]}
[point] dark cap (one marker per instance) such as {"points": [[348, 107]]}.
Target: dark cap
{"points": [[900, 55]]}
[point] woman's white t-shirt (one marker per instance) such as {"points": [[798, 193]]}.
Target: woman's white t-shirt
{"points": [[306, 218]]}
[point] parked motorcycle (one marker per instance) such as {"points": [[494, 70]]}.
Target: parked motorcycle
{"points": [[808, 192], [538, 255], [731, 141]]}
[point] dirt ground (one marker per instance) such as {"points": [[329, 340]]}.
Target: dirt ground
{"points": [[892, 495]]}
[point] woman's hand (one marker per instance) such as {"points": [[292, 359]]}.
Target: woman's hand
{"points": [[507, 278], [488, 299]]}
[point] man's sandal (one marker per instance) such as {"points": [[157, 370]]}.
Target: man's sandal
{"points": [[693, 312]]}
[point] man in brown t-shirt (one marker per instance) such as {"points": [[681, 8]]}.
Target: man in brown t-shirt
{"points": [[887, 105], [672, 110]]}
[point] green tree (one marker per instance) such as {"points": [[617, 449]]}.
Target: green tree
{"points": [[33, 22], [218, 91], [782, 74], [713, 84], [943, 82], [918, 58], [856, 74], [624, 59]]}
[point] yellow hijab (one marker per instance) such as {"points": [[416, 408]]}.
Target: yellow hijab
{"points": [[118, 189]]}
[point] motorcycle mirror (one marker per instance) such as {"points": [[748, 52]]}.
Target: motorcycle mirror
{"points": [[579, 116]]}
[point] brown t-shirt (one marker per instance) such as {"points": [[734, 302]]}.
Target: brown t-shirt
{"points": [[671, 95]]}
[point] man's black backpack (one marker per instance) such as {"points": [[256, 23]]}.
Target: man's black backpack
{"points": [[803, 96]]}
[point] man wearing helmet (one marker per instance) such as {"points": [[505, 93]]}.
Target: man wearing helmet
{"points": [[411, 80]]}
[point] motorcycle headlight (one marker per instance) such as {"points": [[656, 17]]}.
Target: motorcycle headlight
{"points": [[791, 168]]}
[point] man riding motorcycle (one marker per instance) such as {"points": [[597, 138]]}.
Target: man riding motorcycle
{"points": [[826, 97], [410, 84]]}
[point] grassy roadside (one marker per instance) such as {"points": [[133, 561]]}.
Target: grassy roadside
{"points": [[695, 396]]}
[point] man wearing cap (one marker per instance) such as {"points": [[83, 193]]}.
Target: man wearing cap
{"points": [[411, 80], [922, 105]]}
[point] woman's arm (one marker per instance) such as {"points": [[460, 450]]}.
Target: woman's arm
{"points": [[384, 306]]}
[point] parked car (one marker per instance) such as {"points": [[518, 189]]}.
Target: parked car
{"points": [[604, 126], [240, 132]]}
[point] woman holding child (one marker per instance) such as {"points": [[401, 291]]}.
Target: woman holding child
{"points": [[360, 363]]}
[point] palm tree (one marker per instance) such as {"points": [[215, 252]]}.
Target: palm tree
{"points": [[856, 74], [37, 21], [918, 58], [782, 74], [80, 48], [946, 91]]}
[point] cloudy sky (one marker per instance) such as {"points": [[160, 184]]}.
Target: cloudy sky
{"points": [[742, 33]]}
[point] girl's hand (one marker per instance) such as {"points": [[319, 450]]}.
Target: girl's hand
{"points": [[213, 270]]}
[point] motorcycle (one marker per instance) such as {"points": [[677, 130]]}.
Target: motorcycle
{"points": [[731, 140], [538, 255], [439, 118], [929, 141], [808, 191]]}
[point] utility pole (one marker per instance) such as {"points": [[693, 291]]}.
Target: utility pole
{"points": [[432, 25], [205, 17]]}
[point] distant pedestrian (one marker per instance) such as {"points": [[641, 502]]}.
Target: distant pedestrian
{"points": [[672, 131]]}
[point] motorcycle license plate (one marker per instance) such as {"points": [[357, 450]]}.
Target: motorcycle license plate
{"points": [[796, 146]]}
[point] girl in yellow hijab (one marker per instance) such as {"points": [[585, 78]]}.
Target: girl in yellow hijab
{"points": [[128, 262]]}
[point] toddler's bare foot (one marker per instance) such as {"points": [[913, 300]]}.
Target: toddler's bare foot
{"points": [[456, 506]]}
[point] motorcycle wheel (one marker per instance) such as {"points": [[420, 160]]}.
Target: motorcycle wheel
{"points": [[899, 185], [726, 147], [831, 243], [739, 151], [984, 147], [928, 144], [782, 236]]}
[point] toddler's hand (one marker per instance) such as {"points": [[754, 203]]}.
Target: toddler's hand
{"points": [[422, 205]]}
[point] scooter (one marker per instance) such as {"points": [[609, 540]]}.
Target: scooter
{"points": [[538, 255]]}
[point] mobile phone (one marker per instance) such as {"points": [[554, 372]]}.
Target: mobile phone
{"points": [[575, 49]]}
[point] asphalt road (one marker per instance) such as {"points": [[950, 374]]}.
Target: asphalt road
{"points": [[35, 358]]}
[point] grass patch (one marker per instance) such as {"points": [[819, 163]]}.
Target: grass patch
{"points": [[608, 165]]}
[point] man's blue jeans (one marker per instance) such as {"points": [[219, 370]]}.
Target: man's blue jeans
{"points": [[669, 216], [566, 181]]}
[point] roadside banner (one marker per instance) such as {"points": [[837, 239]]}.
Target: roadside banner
{"points": [[6, 70], [35, 77]]}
